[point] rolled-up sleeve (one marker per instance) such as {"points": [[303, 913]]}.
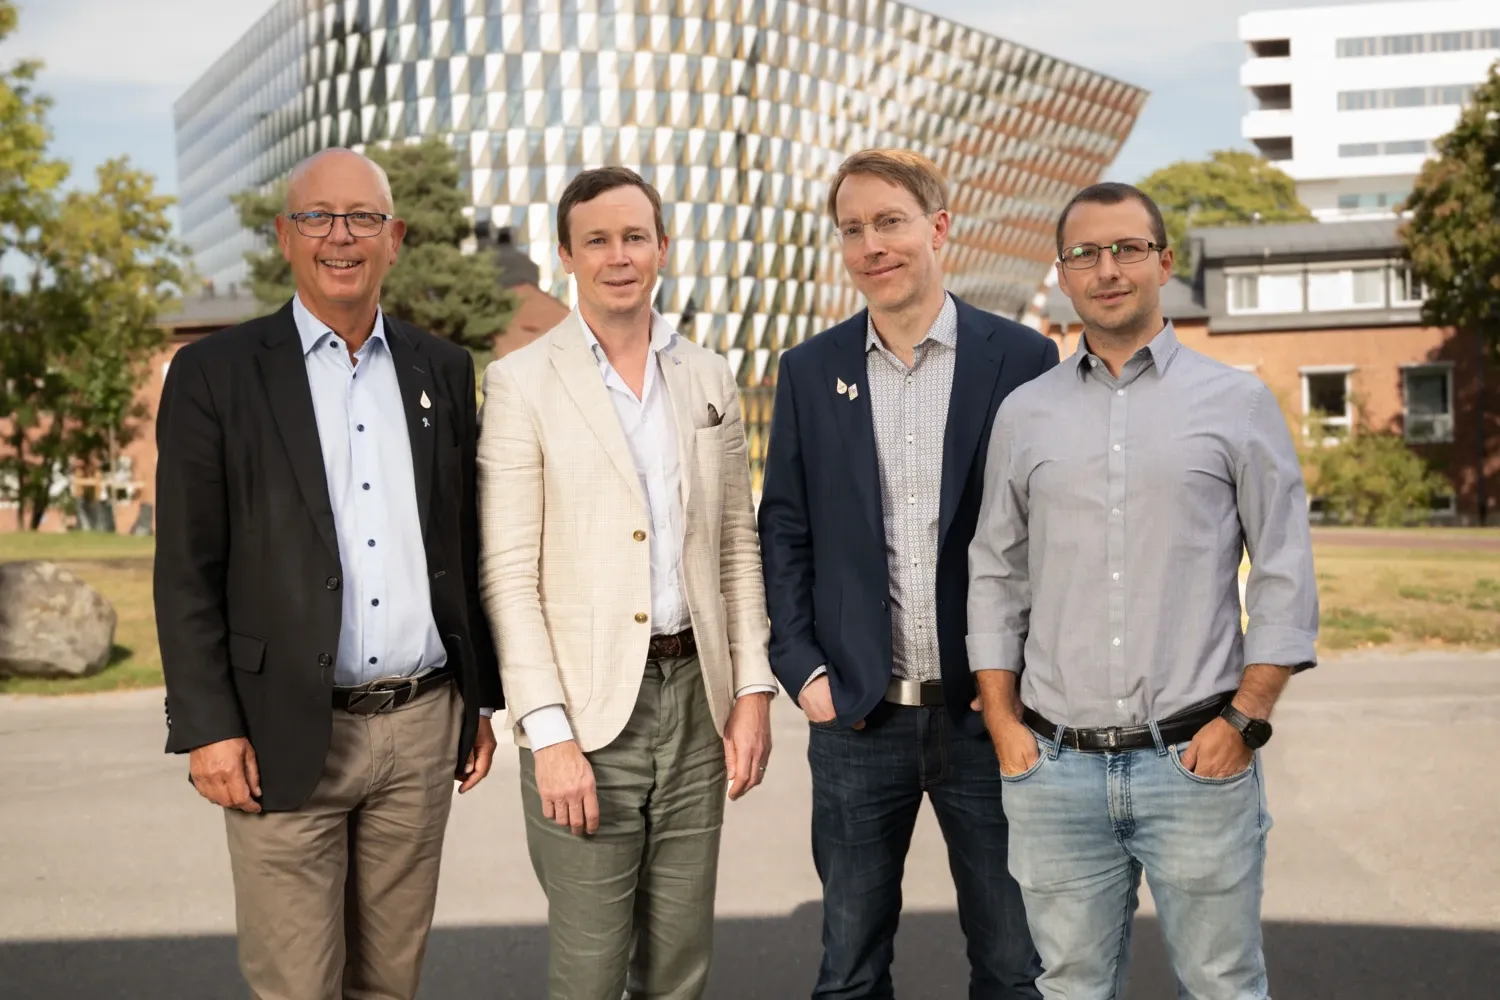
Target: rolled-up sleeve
{"points": [[1281, 597], [999, 608]]}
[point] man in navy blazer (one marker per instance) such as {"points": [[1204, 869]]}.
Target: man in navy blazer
{"points": [[872, 489]]}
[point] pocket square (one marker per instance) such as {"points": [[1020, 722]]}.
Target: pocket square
{"points": [[715, 418]]}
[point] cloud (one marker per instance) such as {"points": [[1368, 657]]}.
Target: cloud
{"points": [[162, 42]]}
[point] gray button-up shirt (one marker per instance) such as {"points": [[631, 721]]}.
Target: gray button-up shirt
{"points": [[1114, 517], [910, 410]]}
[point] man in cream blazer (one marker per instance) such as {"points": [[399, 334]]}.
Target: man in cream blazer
{"points": [[620, 569]]}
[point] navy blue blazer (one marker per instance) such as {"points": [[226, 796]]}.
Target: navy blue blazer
{"points": [[822, 530]]}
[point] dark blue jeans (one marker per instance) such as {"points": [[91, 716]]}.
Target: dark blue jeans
{"points": [[867, 790]]}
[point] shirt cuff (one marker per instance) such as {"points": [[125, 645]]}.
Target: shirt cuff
{"points": [[813, 676], [486, 712], [545, 726], [755, 689], [995, 651], [1280, 646]]}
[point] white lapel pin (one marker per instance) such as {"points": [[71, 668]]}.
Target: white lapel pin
{"points": [[853, 393], [426, 403], [425, 423], [840, 387]]}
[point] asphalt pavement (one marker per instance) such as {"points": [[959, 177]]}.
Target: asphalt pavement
{"points": [[1383, 881]]}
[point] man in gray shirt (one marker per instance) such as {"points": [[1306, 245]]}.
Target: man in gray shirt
{"points": [[1125, 704]]}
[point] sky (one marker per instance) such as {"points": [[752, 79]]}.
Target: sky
{"points": [[113, 68]]}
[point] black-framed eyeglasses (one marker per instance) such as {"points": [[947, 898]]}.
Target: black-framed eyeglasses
{"points": [[361, 225], [1086, 255]]}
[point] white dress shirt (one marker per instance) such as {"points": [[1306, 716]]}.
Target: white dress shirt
{"points": [[387, 625], [651, 432]]}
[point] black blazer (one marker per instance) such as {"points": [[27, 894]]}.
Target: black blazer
{"points": [[822, 529], [247, 576]]}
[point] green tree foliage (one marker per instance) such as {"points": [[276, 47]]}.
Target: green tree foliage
{"points": [[1453, 232], [79, 325], [1231, 188], [1372, 478], [434, 284]]}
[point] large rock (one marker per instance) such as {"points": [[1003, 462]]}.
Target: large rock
{"points": [[52, 624]]}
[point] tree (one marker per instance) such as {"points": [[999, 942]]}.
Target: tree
{"points": [[1452, 236], [1371, 478], [80, 321], [1231, 188], [1453, 232], [434, 285]]}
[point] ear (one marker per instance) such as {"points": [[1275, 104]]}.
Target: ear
{"points": [[661, 253], [284, 230], [397, 229], [1168, 260], [566, 258], [942, 225]]}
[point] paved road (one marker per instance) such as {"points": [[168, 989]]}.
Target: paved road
{"points": [[1377, 538], [1383, 883]]}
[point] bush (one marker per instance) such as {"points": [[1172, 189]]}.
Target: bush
{"points": [[1372, 479]]}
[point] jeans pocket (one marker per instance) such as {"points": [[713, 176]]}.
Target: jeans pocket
{"points": [[1035, 766], [827, 726], [1176, 756]]}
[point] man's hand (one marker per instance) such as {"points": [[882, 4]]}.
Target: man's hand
{"points": [[1016, 747], [1015, 744], [565, 781], [481, 756], [747, 742], [226, 774], [1217, 751], [816, 702]]}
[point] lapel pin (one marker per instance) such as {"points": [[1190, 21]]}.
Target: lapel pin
{"points": [[840, 387], [425, 423], [426, 403], [853, 393]]}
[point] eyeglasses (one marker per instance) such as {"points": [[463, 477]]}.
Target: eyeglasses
{"points": [[1086, 255], [886, 225], [362, 225]]}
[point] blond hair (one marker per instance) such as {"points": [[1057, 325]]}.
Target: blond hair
{"points": [[902, 167]]}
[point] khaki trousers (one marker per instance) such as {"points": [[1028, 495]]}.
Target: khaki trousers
{"points": [[335, 899], [633, 904]]}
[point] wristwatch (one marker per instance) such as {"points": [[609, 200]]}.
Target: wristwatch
{"points": [[1255, 732]]}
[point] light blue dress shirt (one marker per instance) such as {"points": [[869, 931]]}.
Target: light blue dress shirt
{"points": [[388, 629]]}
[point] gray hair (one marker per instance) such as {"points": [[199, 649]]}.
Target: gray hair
{"points": [[306, 164]]}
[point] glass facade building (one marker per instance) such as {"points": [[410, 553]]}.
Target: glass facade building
{"points": [[738, 111]]}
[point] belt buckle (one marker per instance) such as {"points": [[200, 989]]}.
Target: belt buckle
{"points": [[387, 695]]}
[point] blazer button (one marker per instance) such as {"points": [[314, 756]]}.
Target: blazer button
{"points": [[639, 536], [640, 617], [324, 660], [332, 583]]}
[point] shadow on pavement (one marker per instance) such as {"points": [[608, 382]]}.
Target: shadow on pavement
{"points": [[775, 959]]}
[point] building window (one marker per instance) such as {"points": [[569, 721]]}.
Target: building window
{"points": [[1356, 288], [1379, 200], [1444, 505], [1405, 97], [1406, 288], [1277, 292], [1402, 147], [1428, 390], [1326, 403], [1407, 45]]}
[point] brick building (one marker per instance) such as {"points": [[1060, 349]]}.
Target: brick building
{"points": [[1329, 316]]}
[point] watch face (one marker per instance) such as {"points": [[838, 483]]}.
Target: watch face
{"points": [[1257, 733]]}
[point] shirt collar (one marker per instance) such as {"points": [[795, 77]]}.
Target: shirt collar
{"points": [[944, 329], [312, 330], [662, 336], [1162, 349]]}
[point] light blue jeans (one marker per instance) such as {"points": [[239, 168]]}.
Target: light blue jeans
{"points": [[1083, 826]]}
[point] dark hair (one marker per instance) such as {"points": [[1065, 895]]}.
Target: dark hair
{"points": [[1113, 193], [591, 184], [901, 167]]}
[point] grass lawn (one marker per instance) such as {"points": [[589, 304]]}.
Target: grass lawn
{"points": [[1396, 597]]}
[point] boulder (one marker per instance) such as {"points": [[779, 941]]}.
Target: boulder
{"points": [[52, 624]]}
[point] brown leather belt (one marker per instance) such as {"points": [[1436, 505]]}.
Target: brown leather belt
{"points": [[671, 647], [388, 693]]}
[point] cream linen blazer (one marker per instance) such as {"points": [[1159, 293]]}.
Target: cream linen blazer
{"points": [[564, 565]]}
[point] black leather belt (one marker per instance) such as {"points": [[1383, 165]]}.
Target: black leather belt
{"points": [[388, 693], [1177, 728], [670, 647]]}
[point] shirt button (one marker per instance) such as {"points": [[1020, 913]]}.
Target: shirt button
{"points": [[333, 344], [912, 499], [1093, 362], [1116, 512], [639, 536], [640, 617], [324, 660], [332, 583], [1119, 392], [1121, 703], [365, 485], [371, 543], [1117, 447], [360, 428], [1117, 576], [375, 602], [909, 438], [374, 659], [1117, 640]]}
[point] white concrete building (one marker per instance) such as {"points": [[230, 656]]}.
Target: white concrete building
{"points": [[1348, 99]]}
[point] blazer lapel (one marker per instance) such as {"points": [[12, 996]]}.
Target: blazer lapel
{"points": [[414, 375], [284, 369], [581, 379], [976, 375], [677, 379], [851, 408]]}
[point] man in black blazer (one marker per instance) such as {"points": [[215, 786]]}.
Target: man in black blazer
{"points": [[329, 668], [872, 489]]}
